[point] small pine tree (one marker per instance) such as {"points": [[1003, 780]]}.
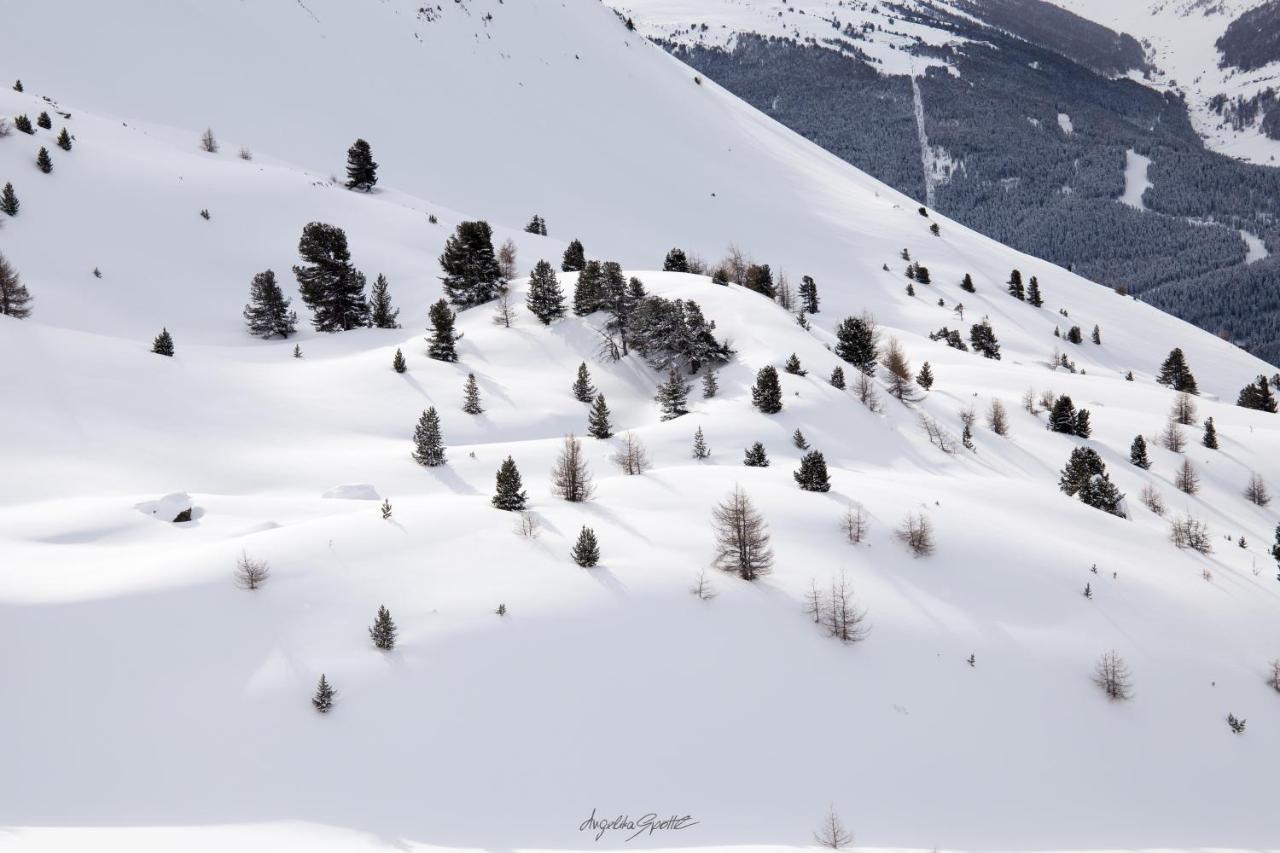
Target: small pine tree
{"points": [[673, 396], [443, 346], [1138, 453], [676, 261], [381, 314], [598, 421], [1015, 288], [323, 700], [398, 363], [1074, 336], [43, 162], [267, 313], [362, 172], [812, 476], [709, 384], [1175, 373], [545, 300], [428, 443], [966, 436], [837, 378], [208, 142], [700, 449], [574, 258], [809, 294], [983, 340], [925, 378], [1062, 418], [17, 86], [22, 123], [966, 284], [1210, 439], [586, 551], [1096, 335], [798, 439], [297, 351], [15, 300], [509, 493], [163, 343], [766, 394], [383, 630], [44, 121], [471, 396], [386, 509], [1084, 429], [9, 200], [583, 390], [756, 457], [64, 140], [793, 366], [1033, 293]]}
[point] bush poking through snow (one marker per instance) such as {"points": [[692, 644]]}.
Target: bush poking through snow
{"points": [[702, 587], [250, 573], [916, 532], [1236, 724], [831, 833], [1112, 675], [1187, 531]]}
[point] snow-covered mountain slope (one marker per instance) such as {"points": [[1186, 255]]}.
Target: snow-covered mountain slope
{"points": [[154, 705]]}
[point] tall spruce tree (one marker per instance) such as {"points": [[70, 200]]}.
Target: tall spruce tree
{"points": [[809, 294], [324, 696], [1062, 418], [362, 172], [1033, 293], [598, 424], [837, 378], [812, 476], [756, 457], [9, 200], [1175, 373], [15, 300], [383, 630], [586, 551], [471, 396], [983, 339], [587, 291], [1210, 439], [766, 394], [444, 340], [545, 300], [1084, 428], [330, 286], [428, 443], [268, 314], [575, 258], [381, 314], [673, 396], [676, 261], [856, 343], [472, 274], [163, 343], [1138, 453], [1016, 289], [583, 390], [509, 494], [710, 386]]}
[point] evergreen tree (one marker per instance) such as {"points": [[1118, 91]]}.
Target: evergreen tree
{"points": [[587, 291], [1175, 373], [22, 123], [966, 436], [756, 457], [509, 493], [471, 396], [381, 314], [9, 200], [1096, 337], [397, 363], [922, 275], [709, 384], [1062, 418], [43, 163], [676, 261], [966, 284], [598, 423], [428, 443], [444, 339], [809, 294], [1255, 396], [812, 475], [766, 394], [1016, 289], [575, 258], [1210, 439], [1074, 336], [793, 366], [700, 449], [837, 378], [537, 225], [798, 439], [1083, 428], [673, 396], [383, 631], [856, 343], [330, 286], [44, 121], [1138, 453], [1033, 293], [323, 700], [362, 172], [925, 378], [583, 390], [17, 86], [1100, 493], [15, 300], [472, 275], [163, 343], [586, 551], [268, 313], [545, 299], [64, 140], [760, 279], [983, 340]]}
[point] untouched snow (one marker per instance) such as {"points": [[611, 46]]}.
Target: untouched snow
{"points": [[157, 706], [1257, 248], [1136, 182]]}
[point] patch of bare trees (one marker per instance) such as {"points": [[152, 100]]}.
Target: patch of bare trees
{"points": [[631, 455], [1187, 531], [855, 523], [916, 532], [938, 435], [864, 388], [1256, 491], [998, 418], [840, 613], [1112, 674], [1187, 480], [1152, 500], [1173, 438]]}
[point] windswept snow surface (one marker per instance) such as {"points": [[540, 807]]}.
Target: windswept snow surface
{"points": [[151, 702]]}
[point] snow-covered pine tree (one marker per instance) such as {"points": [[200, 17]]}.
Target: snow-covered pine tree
{"points": [[598, 423], [586, 551], [43, 162], [1138, 453], [587, 290], [966, 284], [163, 343], [709, 384], [574, 259], [755, 456], [793, 366], [798, 439], [766, 394], [925, 378], [856, 343], [1033, 293], [583, 390], [23, 123], [362, 172], [15, 299], [323, 700], [537, 225], [330, 286], [17, 86], [9, 200], [545, 300], [673, 396], [471, 396], [472, 275], [386, 509], [1084, 428], [267, 313], [1256, 396], [383, 630], [809, 294], [837, 378], [1096, 335], [44, 121], [444, 339], [1016, 289], [1074, 336], [381, 314], [428, 443], [700, 449], [398, 363], [509, 494], [983, 340], [64, 140], [1210, 439], [676, 261], [812, 476], [1175, 373], [1062, 418]]}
